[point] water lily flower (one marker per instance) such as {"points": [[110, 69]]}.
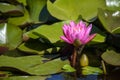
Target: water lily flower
{"points": [[79, 33]]}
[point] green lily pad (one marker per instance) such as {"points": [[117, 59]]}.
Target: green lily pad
{"points": [[11, 10], [111, 57], [110, 20], [10, 35], [23, 2], [38, 47], [33, 64], [21, 20], [50, 32], [113, 4], [87, 70], [35, 8], [24, 78], [71, 10], [68, 68]]}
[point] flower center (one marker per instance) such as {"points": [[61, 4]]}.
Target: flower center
{"points": [[77, 29]]}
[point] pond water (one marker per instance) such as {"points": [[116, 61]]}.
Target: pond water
{"points": [[114, 75]]}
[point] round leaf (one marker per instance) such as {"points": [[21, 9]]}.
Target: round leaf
{"points": [[111, 57], [113, 4], [110, 20], [72, 9]]}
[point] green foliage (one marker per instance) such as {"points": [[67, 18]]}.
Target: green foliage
{"points": [[70, 10], [87, 70], [30, 30], [68, 68], [110, 20], [36, 66], [7, 33], [53, 33], [35, 8], [24, 78], [9, 9], [111, 57]]}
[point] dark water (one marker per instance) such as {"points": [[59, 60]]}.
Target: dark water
{"points": [[66, 77], [114, 75]]}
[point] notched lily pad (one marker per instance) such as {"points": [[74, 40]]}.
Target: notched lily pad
{"points": [[71, 10], [111, 57]]}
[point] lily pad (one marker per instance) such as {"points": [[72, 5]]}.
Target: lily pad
{"points": [[68, 68], [113, 4], [21, 20], [50, 32], [71, 10], [35, 8], [11, 10], [111, 57], [24, 78], [33, 64], [41, 48], [110, 20], [10, 35], [88, 70]]}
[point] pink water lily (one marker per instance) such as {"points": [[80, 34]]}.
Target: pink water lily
{"points": [[79, 32]]}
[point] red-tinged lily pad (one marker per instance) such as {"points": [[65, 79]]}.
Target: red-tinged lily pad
{"points": [[3, 49]]}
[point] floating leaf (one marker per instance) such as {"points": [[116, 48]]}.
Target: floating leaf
{"points": [[23, 2], [111, 57], [53, 33], [22, 20], [33, 64], [24, 78], [38, 47], [87, 70], [98, 38], [11, 10], [68, 68], [71, 10], [110, 20], [113, 4], [35, 8], [10, 35]]}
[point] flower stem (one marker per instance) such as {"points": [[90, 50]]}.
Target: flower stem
{"points": [[79, 53], [76, 59]]}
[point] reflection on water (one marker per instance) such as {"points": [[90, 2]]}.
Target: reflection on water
{"points": [[114, 75], [68, 77]]}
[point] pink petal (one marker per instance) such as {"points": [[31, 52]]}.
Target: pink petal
{"points": [[89, 38], [88, 30], [82, 24], [72, 24], [66, 40]]}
